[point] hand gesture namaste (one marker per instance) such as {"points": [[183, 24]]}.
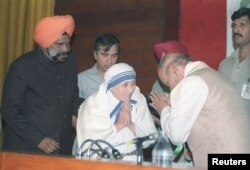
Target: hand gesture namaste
{"points": [[124, 118]]}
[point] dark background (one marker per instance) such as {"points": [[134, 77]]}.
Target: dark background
{"points": [[139, 24]]}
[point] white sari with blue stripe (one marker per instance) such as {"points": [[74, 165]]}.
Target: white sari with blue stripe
{"points": [[96, 117]]}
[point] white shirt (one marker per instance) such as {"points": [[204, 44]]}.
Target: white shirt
{"points": [[187, 100]]}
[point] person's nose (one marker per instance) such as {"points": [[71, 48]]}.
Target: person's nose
{"points": [[65, 48], [109, 59], [235, 29]]}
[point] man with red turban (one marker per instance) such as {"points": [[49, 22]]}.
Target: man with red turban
{"points": [[160, 89], [203, 109], [162, 48], [40, 93]]}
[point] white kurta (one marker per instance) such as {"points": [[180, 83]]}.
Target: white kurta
{"points": [[184, 111], [94, 122]]}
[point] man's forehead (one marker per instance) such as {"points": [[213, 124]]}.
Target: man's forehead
{"points": [[104, 48], [172, 56]]}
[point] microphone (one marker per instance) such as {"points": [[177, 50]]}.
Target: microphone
{"points": [[145, 138], [139, 149], [152, 136]]}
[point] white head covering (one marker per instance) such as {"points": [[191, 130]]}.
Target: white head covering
{"points": [[117, 74]]}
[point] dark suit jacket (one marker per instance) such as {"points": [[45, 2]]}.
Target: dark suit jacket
{"points": [[39, 97]]}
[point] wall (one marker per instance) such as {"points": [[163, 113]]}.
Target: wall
{"points": [[139, 24], [203, 29], [199, 24]]}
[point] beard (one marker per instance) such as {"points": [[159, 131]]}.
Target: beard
{"points": [[58, 57]]}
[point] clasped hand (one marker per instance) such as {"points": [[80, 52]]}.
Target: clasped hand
{"points": [[159, 101], [124, 118]]}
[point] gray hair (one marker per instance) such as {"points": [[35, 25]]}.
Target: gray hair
{"points": [[183, 57]]}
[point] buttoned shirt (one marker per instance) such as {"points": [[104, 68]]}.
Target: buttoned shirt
{"points": [[238, 73], [39, 98]]}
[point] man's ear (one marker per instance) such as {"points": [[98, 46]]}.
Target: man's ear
{"points": [[95, 54]]}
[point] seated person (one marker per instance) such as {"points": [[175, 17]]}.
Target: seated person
{"points": [[106, 52], [116, 113]]}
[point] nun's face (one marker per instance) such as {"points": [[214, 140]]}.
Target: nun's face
{"points": [[123, 91]]}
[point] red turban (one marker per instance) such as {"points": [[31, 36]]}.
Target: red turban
{"points": [[49, 29], [172, 46]]}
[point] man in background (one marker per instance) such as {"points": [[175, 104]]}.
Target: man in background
{"points": [[40, 93], [106, 52], [236, 67]]}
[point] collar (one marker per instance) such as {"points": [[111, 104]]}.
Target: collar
{"points": [[44, 59], [194, 66]]}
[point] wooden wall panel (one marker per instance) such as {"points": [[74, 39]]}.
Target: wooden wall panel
{"points": [[139, 24]]}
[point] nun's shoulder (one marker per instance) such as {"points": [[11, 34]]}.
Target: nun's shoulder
{"points": [[139, 94]]}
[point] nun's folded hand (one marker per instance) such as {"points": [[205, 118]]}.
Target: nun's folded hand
{"points": [[124, 118]]}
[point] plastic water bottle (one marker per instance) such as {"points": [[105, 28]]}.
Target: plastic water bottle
{"points": [[162, 154]]}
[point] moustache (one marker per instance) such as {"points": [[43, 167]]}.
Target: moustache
{"points": [[62, 54], [237, 34], [60, 57]]}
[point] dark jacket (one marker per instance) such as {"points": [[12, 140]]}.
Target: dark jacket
{"points": [[39, 98]]}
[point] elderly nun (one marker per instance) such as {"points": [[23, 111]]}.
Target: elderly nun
{"points": [[116, 113]]}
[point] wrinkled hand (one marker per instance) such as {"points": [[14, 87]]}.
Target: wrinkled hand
{"points": [[159, 101], [124, 119], [48, 145]]}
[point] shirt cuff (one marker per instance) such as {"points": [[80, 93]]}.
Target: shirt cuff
{"points": [[165, 114]]}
